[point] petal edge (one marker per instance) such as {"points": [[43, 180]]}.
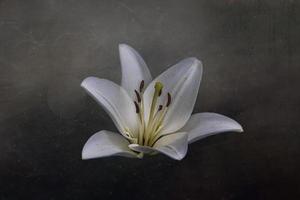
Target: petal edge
{"points": [[182, 81], [115, 101], [134, 69]]}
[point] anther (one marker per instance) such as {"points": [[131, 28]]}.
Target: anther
{"points": [[169, 100], [160, 107], [142, 85], [137, 96], [137, 109]]}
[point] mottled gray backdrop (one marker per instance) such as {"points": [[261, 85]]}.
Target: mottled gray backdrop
{"points": [[250, 50]]}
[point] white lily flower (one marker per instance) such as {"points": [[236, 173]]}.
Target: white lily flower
{"points": [[152, 116]]}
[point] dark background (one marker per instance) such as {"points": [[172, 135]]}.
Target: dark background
{"points": [[250, 50]]}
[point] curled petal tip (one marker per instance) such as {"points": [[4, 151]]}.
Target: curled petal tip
{"points": [[83, 83], [195, 60], [87, 80], [84, 157], [84, 154], [241, 130], [194, 64], [123, 46]]}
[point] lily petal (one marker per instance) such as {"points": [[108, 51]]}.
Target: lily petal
{"points": [[174, 145], [182, 81], [202, 125], [134, 69], [106, 143], [116, 102]]}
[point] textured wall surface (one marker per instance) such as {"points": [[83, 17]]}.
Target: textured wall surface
{"points": [[251, 53]]}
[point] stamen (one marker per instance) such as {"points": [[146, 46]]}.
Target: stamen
{"points": [[137, 96], [169, 100], [142, 85], [137, 109]]}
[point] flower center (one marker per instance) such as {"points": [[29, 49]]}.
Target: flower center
{"points": [[149, 132]]}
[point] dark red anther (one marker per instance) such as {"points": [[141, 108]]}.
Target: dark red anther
{"points": [[142, 85], [137, 96], [169, 99], [160, 107], [137, 108]]}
